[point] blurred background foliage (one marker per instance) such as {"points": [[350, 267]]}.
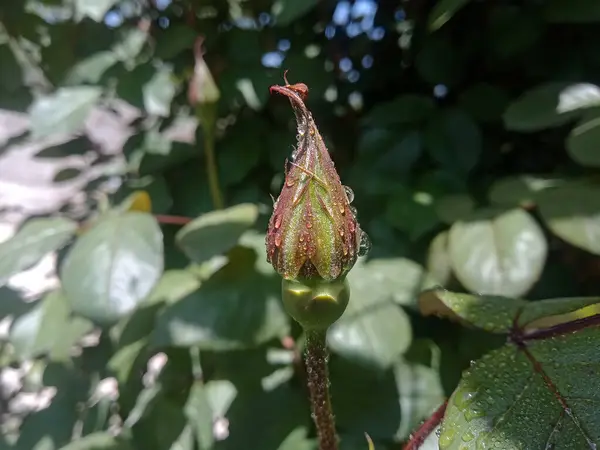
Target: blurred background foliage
{"points": [[468, 131]]}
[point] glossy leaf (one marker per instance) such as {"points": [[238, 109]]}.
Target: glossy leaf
{"points": [[94, 9], [582, 143], [235, 308], [573, 213], [550, 105], [32, 242], [498, 314], [443, 12], [373, 330], [216, 232], [64, 111], [48, 329], [158, 93], [513, 399], [500, 254], [113, 267]]}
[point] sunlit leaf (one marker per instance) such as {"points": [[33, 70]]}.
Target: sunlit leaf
{"points": [[513, 398], [582, 143], [235, 308], [113, 267], [443, 12], [32, 242], [64, 111], [94, 9], [48, 329], [573, 213], [500, 254], [216, 232]]}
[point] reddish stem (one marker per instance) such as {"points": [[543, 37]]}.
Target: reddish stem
{"points": [[172, 220], [426, 428]]}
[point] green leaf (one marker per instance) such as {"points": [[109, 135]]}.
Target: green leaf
{"points": [[64, 111], [31, 243], [571, 11], [573, 213], [94, 9], [498, 314], [518, 190], [91, 69], [438, 259], [582, 143], [406, 109], [216, 232], [283, 412], [438, 62], [443, 11], [549, 105], [484, 102], [287, 11], [174, 40], [500, 254], [388, 405], [48, 329], [374, 330], [159, 92], [412, 213], [454, 140], [237, 307], [454, 207], [113, 267], [101, 440], [10, 70], [51, 428], [513, 399]]}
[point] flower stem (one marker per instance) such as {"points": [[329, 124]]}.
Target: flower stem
{"points": [[211, 167], [318, 386]]}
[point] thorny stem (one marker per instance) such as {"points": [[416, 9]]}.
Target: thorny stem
{"points": [[318, 386]]}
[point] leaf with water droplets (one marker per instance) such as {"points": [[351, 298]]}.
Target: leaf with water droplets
{"points": [[498, 314], [542, 394]]}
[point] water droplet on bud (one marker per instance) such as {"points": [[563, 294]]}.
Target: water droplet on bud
{"points": [[349, 194], [353, 210], [365, 244]]}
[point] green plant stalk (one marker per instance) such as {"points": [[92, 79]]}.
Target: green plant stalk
{"points": [[318, 386], [207, 116]]}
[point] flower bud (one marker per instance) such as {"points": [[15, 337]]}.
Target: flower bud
{"points": [[315, 304], [313, 232]]}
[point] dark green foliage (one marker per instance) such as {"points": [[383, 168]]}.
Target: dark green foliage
{"points": [[470, 134]]}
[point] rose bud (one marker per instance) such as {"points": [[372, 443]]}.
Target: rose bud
{"points": [[313, 233]]}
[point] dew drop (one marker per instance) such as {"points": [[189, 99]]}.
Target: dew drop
{"points": [[341, 232], [345, 250], [342, 209], [446, 438], [349, 194], [301, 239], [309, 224], [473, 413], [353, 210], [365, 244], [468, 436], [290, 182], [277, 222], [277, 241]]}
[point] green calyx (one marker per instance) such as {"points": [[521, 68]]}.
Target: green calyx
{"points": [[315, 304]]}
